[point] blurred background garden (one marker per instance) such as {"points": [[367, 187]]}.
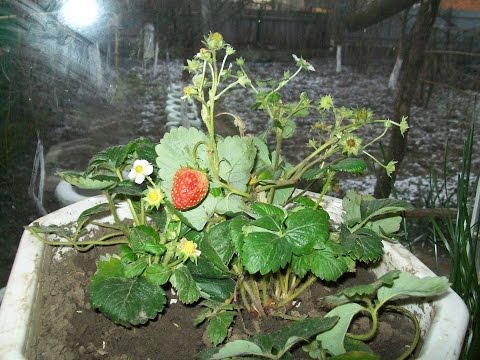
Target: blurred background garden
{"points": [[78, 76]]}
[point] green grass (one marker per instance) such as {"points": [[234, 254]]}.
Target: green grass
{"points": [[460, 237]]}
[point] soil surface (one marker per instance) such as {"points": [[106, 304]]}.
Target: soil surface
{"points": [[68, 329]]}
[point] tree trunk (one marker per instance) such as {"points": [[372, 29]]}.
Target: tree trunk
{"points": [[393, 80], [426, 15], [374, 11]]}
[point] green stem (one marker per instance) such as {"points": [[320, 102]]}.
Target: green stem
{"points": [[256, 302], [282, 84], [314, 154], [222, 67], [243, 295], [264, 291], [325, 188], [276, 162], [129, 201], [167, 257], [105, 225], [374, 159], [142, 212], [220, 94], [377, 138], [233, 190], [175, 263], [83, 245], [371, 333], [309, 282], [414, 319], [286, 280]]}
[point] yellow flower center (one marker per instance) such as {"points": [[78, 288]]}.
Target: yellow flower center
{"points": [[351, 143], [153, 196], [189, 248], [139, 169]]}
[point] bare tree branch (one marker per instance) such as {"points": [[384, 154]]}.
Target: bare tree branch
{"points": [[374, 11]]}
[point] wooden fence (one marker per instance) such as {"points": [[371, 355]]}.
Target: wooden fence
{"points": [[280, 30]]}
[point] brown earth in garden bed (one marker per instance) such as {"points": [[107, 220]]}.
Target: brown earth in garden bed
{"points": [[66, 328]]}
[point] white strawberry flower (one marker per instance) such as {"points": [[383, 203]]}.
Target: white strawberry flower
{"points": [[140, 169]]}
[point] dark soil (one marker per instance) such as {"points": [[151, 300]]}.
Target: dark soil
{"points": [[67, 328]]}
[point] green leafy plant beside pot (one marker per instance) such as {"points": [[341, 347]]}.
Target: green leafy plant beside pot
{"points": [[219, 218]]}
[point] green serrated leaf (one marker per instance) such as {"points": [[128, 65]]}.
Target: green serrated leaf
{"points": [[378, 207], [350, 165], [145, 150], [135, 268], [236, 232], [209, 264], [332, 340], [202, 315], [351, 204], [408, 285], [369, 290], [263, 154], [186, 287], [288, 129], [264, 209], [155, 249], [219, 238], [216, 192], [127, 188], [238, 348], [353, 345], [356, 355], [265, 252], [314, 173], [282, 195], [267, 223], [124, 301], [99, 182], [301, 265], [364, 244], [305, 201], [305, 228], [105, 158], [215, 289], [158, 274], [159, 217], [303, 329], [88, 213], [111, 158], [218, 325], [237, 156], [265, 341], [327, 266], [140, 235], [126, 253], [49, 229]]}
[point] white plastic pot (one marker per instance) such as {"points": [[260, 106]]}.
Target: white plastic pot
{"points": [[443, 321]]}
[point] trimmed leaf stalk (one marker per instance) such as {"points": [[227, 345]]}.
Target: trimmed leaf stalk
{"points": [[113, 210], [83, 245], [136, 220], [278, 148], [255, 297], [309, 282], [326, 186]]}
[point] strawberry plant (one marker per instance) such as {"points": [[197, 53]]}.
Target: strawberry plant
{"points": [[222, 220]]}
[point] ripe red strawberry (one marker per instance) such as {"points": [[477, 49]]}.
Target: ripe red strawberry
{"points": [[189, 188]]}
